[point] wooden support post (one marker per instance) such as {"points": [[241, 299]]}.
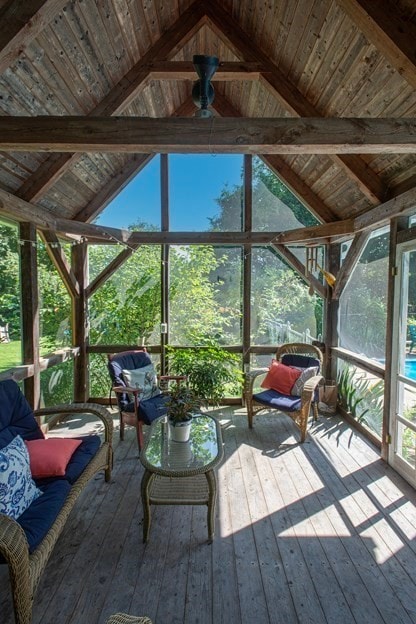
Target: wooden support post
{"points": [[80, 326], [331, 314], [164, 272], [247, 259], [30, 311]]}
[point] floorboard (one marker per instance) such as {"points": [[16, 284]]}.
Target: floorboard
{"points": [[316, 533]]}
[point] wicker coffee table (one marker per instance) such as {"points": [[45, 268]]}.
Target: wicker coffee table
{"points": [[181, 473]]}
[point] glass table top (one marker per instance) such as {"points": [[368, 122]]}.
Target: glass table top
{"points": [[200, 453]]}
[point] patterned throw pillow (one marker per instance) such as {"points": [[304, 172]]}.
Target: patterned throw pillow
{"points": [[17, 488], [144, 379], [306, 373]]}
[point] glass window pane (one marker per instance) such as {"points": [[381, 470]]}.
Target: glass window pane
{"points": [[275, 207], [205, 294], [205, 192], [126, 308], [10, 309], [363, 303], [56, 384], [407, 339], [54, 305], [138, 203], [282, 310], [405, 444]]}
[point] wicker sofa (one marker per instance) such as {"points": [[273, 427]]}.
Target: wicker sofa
{"points": [[26, 543]]}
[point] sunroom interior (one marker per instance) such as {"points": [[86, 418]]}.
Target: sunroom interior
{"points": [[285, 214]]}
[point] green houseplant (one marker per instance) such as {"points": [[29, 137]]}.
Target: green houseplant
{"points": [[210, 369]]}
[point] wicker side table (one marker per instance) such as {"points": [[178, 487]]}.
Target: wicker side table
{"points": [[181, 473]]}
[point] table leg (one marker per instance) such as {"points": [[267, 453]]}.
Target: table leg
{"points": [[212, 496], [145, 491]]}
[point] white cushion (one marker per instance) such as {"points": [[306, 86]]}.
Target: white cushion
{"points": [[306, 374], [144, 379], [17, 488]]}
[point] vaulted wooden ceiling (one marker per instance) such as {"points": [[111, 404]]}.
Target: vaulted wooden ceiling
{"points": [[279, 59]]}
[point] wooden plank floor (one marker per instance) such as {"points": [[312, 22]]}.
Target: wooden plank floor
{"points": [[322, 532]]}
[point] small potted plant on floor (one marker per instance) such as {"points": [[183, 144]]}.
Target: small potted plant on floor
{"points": [[182, 405]]}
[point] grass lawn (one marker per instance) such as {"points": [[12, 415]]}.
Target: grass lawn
{"points": [[10, 354]]}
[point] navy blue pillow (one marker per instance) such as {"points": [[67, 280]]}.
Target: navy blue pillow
{"points": [[16, 415]]}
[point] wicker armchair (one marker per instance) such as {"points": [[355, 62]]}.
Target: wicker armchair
{"points": [[298, 408]]}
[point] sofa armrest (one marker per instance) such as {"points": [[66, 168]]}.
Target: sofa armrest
{"points": [[15, 550], [64, 411]]}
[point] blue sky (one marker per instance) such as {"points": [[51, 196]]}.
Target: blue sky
{"points": [[194, 183]]}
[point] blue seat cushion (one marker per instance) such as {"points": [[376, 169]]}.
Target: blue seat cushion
{"points": [[150, 409], [275, 400], [16, 415], [79, 460], [42, 513]]}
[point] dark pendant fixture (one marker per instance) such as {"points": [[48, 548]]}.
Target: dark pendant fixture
{"points": [[203, 91]]}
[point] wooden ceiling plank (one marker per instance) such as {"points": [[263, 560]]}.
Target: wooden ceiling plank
{"points": [[288, 95], [119, 97], [390, 33], [198, 135], [20, 23], [57, 255]]}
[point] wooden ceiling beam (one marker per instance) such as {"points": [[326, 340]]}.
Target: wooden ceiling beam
{"points": [[117, 100], [19, 210], [393, 36], [280, 167], [229, 31], [185, 70], [286, 135], [20, 23], [297, 265]]}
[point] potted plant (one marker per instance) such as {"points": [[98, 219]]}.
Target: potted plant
{"points": [[182, 405]]}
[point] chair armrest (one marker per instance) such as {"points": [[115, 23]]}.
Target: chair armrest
{"points": [[310, 387], [81, 408], [250, 377], [173, 377]]}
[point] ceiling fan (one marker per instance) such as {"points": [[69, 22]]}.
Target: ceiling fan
{"points": [[203, 91]]}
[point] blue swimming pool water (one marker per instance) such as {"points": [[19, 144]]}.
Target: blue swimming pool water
{"points": [[410, 369]]}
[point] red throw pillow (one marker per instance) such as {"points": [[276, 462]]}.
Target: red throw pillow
{"points": [[280, 377], [49, 457]]}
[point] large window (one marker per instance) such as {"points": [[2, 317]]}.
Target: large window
{"points": [[282, 310], [205, 294], [54, 305], [363, 303], [126, 308]]}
